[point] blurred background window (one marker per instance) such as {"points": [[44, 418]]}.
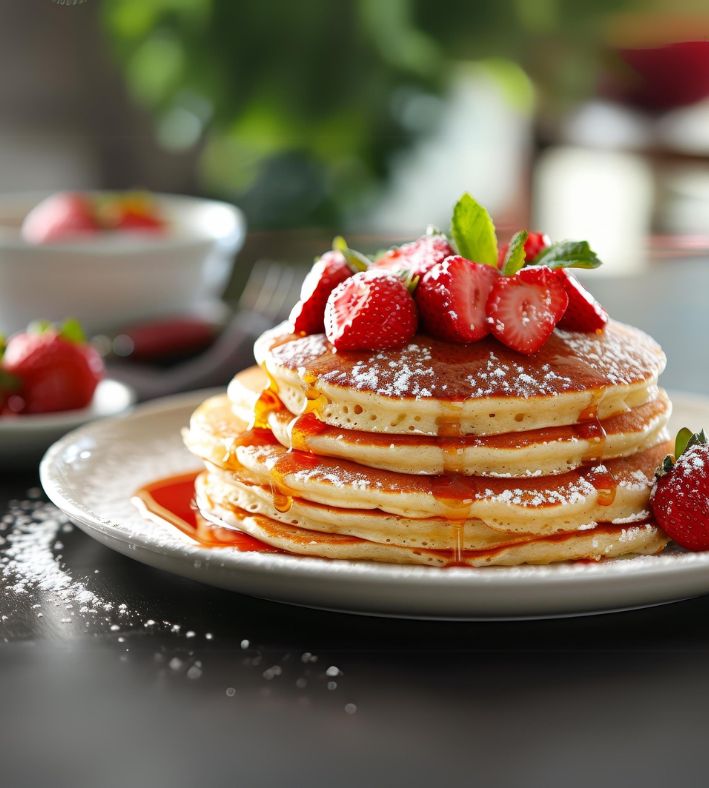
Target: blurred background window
{"points": [[588, 118]]}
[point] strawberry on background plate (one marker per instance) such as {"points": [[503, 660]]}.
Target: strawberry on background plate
{"points": [[583, 313], [680, 498], [451, 298], [523, 309], [129, 212], [51, 370], [370, 311], [61, 217], [418, 256]]}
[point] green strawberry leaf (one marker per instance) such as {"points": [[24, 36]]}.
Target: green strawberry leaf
{"points": [[72, 331], [568, 254], [474, 232], [514, 259], [409, 279], [686, 439], [39, 327], [356, 260], [684, 436]]}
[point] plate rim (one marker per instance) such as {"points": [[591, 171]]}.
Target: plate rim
{"points": [[36, 422]]}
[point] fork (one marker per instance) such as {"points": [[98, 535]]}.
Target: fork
{"points": [[270, 291]]}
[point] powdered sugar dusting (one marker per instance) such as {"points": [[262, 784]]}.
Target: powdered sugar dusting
{"points": [[428, 368]]}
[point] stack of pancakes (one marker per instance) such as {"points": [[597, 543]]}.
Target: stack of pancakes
{"points": [[440, 454]]}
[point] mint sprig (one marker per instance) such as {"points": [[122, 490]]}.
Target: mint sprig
{"points": [[515, 259], [473, 232], [568, 254], [356, 260]]}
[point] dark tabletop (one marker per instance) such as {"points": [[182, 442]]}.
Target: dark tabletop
{"points": [[193, 686]]}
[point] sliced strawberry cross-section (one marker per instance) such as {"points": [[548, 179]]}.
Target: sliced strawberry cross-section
{"points": [[451, 298], [524, 309]]}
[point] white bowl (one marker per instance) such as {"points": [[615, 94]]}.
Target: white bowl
{"points": [[23, 439], [111, 279]]}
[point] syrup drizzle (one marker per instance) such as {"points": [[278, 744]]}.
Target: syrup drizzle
{"points": [[454, 491], [170, 500], [591, 429]]}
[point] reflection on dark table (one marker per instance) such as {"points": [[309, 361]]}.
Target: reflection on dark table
{"points": [[197, 686]]}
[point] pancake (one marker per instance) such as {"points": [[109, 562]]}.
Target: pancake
{"points": [[222, 489], [432, 387], [603, 541], [543, 451], [616, 489]]}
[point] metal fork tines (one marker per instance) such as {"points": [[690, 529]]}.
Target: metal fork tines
{"points": [[271, 290]]}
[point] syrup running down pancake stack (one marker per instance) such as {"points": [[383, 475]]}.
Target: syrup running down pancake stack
{"points": [[440, 454]]}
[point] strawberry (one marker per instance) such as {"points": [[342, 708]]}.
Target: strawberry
{"points": [[370, 311], [532, 246], [418, 256], [61, 217], [680, 498], [56, 370], [128, 211], [451, 298], [308, 315], [524, 309], [584, 313]]}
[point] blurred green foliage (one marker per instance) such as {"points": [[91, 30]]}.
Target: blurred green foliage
{"points": [[298, 106]]}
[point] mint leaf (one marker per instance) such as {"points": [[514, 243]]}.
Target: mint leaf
{"points": [[474, 232], [568, 254], [514, 259], [356, 260], [72, 331]]}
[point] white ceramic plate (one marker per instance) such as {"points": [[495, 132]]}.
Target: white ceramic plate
{"points": [[24, 439], [92, 473]]}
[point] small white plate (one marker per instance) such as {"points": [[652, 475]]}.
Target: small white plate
{"points": [[92, 473], [23, 439]]}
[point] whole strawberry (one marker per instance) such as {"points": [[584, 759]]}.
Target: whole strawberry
{"points": [[308, 315], [61, 217], [370, 311], [680, 498], [532, 247], [524, 309], [54, 370], [418, 256], [451, 298]]}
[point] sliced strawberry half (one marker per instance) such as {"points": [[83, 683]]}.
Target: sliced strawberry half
{"points": [[418, 256], [524, 309], [370, 311], [584, 313], [532, 246], [451, 299], [308, 315]]}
